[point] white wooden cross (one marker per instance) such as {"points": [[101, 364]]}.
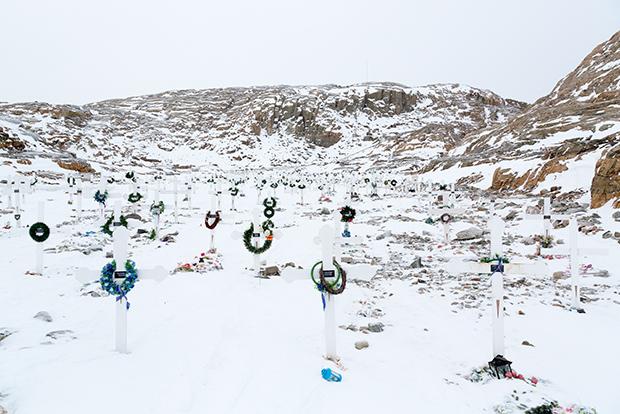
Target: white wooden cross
{"points": [[446, 214], [497, 272], [546, 216], [576, 254], [39, 253], [121, 240], [103, 185], [188, 191], [79, 193], [218, 193], [212, 231], [326, 239]]}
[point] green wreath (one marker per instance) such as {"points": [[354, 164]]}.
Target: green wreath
{"points": [[101, 197], [494, 259], [134, 197], [347, 214], [157, 209], [334, 288], [234, 191], [39, 232], [247, 241], [270, 202], [269, 212], [106, 226]]}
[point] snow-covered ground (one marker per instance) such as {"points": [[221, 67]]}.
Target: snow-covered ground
{"points": [[228, 342]]}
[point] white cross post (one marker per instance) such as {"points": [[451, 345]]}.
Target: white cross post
{"points": [[103, 183], [78, 196], [39, 253], [547, 217], [448, 214], [256, 236], [326, 239], [497, 272], [576, 254], [212, 231], [121, 240], [188, 191], [175, 192], [218, 192]]}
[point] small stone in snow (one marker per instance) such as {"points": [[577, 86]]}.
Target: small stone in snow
{"points": [[43, 316], [526, 343], [375, 327], [361, 344]]}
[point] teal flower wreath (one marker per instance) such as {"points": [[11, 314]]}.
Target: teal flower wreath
{"points": [[109, 285]]}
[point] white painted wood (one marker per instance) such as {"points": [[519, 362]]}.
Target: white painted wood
{"points": [[39, 246]]}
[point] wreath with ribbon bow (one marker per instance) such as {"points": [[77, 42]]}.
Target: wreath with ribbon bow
{"points": [[215, 222], [109, 285], [106, 226], [347, 214], [247, 241]]}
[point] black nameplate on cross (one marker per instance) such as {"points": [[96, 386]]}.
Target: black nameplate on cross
{"points": [[497, 268], [120, 274], [546, 217], [329, 273], [255, 234]]}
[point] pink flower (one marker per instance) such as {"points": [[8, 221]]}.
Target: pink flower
{"points": [[534, 380]]}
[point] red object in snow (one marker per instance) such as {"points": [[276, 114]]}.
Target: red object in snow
{"points": [[534, 380]]}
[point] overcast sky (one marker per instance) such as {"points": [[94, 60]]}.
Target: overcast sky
{"points": [[79, 51]]}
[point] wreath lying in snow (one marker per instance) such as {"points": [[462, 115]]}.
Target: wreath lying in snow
{"points": [[247, 241], [215, 222], [134, 197], [39, 231], [347, 214], [129, 281], [101, 197], [157, 209], [337, 286], [106, 226]]}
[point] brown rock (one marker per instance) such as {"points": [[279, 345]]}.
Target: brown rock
{"points": [[606, 180], [74, 165]]}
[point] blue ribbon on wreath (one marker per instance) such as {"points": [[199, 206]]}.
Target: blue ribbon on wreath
{"points": [[122, 296], [321, 289]]}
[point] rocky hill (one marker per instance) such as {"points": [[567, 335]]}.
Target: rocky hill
{"points": [[256, 127], [569, 137]]}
